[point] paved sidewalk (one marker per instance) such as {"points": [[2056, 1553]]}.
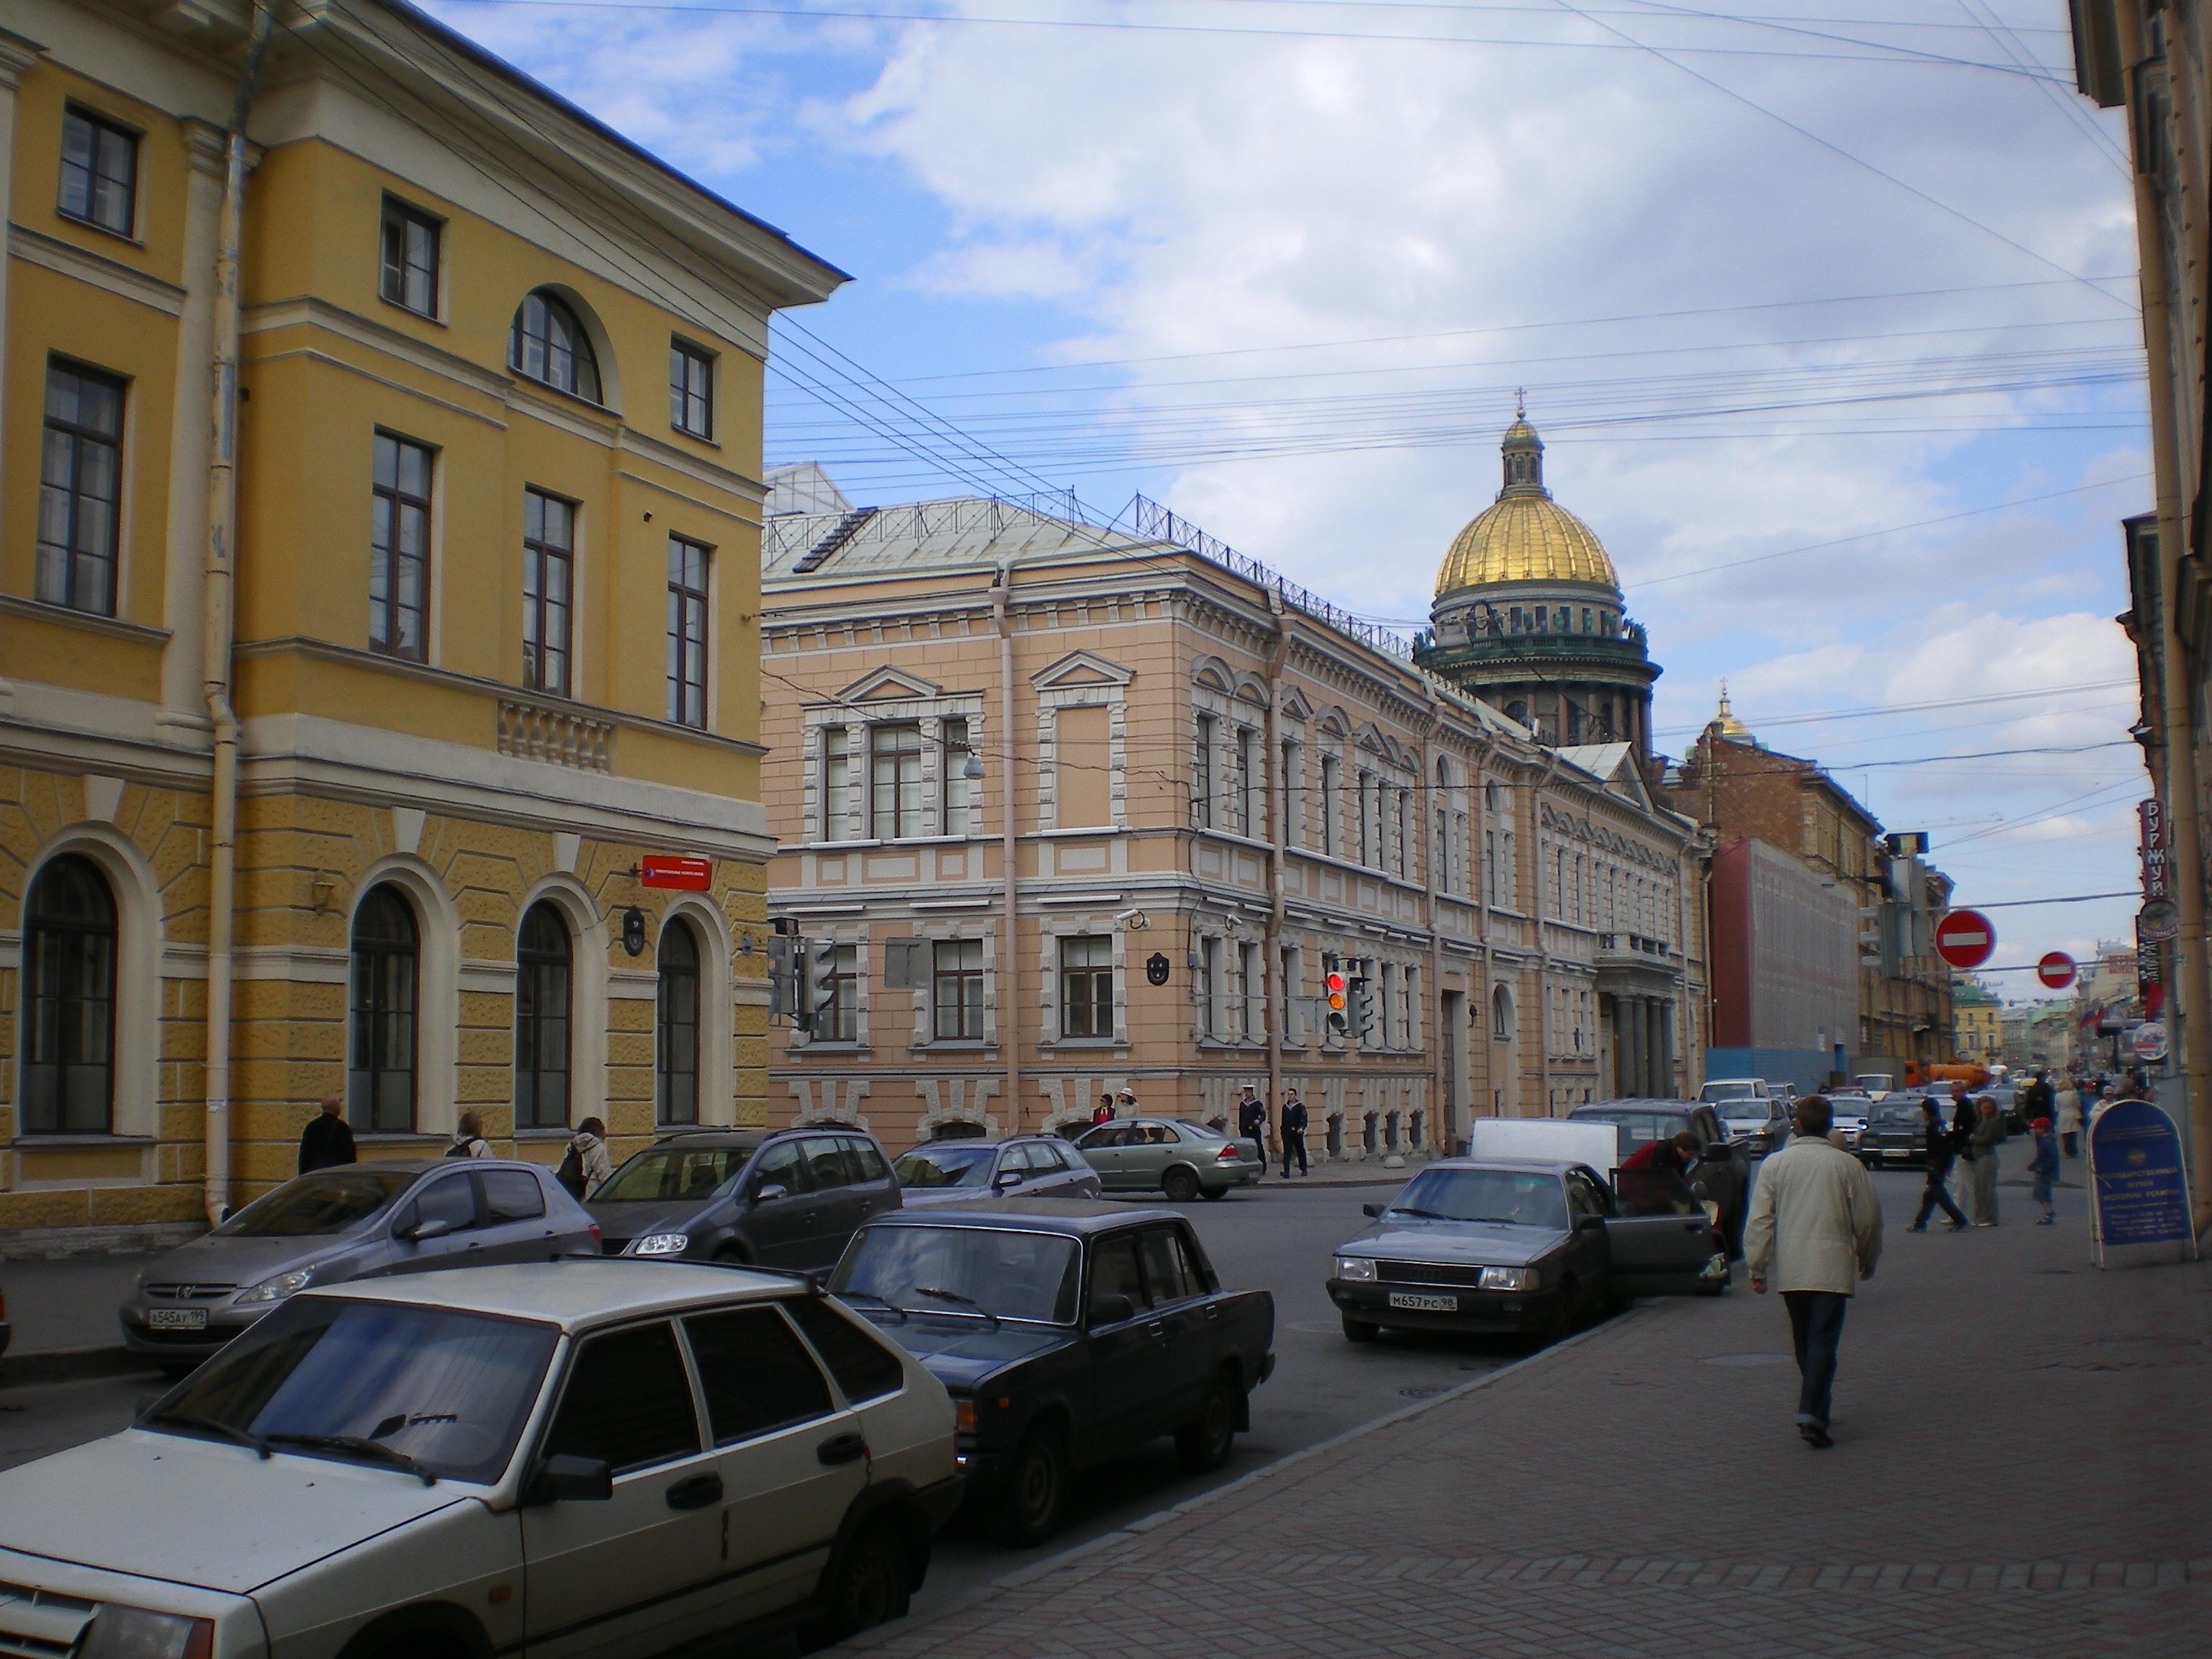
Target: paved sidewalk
{"points": [[2022, 1468]]}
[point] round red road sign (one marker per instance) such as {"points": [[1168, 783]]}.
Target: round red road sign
{"points": [[2056, 970], [1966, 938]]}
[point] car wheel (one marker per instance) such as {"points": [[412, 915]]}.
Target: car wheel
{"points": [[1180, 1184], [1358, 1330], [734, 1255], [1559, 1324], [1035, 1494], [1216, 1192], [868, 1587], [1204, 1443]]}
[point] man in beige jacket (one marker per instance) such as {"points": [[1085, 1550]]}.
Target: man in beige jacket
{"points": [[1815, 1230]]}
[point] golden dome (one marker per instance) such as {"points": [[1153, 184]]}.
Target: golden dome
{"points": [[1726, 723], [1525, 536]]}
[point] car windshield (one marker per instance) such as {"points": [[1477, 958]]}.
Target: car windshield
{"points": [[1517, 1197], [1896, 1117], [963, 1270], [1726, 1089], [659, 1173], [425, 1389], [327, 1201], [955, 1165]]}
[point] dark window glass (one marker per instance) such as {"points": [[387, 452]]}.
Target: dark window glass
{"points": [[511, 1196], [327, 1201], [687, 632], [381, 1069], [690, 389], [838, 1019], [99, 173], [675, 1046], [410, 257], [864, 1367], [542, 981], [756, 1374], [784, 1165], [451, 1199], [627, 1400], [1168, 1275], [958, 992], [549, 556], [955, 788], [867, 1160], [80, 488], [69, 1000], [894, 781], [1114, 1272], [675, 1171], [399, 548], [550, 346], [1086, 987], [825, 1158]]}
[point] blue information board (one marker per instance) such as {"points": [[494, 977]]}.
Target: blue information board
{"points": [[2139, 1188]]}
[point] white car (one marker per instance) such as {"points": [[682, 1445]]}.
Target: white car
{"points": [[1734, 1087], [572, 1459], [1847, 1113]]}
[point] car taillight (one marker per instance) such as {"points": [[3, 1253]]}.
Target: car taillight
{"points": [[963, 1416], [1229, 1153], [597, 1237]]}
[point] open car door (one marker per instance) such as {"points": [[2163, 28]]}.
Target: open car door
{"points": [[1661, 1236]]}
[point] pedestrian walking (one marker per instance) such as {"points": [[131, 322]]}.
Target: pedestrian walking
{"points": [[468, 1140], [1252, 1123], [1294, 1127], [1815, 1230], [2069, 1118], [2044, 1167], [327, 1142], [1935, 1141], [1982, 1144], [586, 1165], [2038, 1099]]}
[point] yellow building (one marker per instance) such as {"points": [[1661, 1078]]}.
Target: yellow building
{"points": [[1977, 1023], [487, 638]]}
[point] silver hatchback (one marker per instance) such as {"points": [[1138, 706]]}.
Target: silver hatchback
{"points": [[357, 1221]]}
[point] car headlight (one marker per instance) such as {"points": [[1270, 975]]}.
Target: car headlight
{"points": [[1358, 1268], [1508, 1278], [662, 1244], [276, 1290], [120, 1632]]}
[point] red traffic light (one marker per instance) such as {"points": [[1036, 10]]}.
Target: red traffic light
{"points": [[1334, 982]]}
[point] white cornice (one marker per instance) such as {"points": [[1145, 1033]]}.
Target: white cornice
{"points": [[35, 247]]}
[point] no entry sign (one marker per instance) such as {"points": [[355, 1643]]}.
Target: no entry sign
{"points": [[2056, 970], [1966, 938], [676, 870]]}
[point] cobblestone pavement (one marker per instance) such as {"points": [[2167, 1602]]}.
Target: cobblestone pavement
{"points": [[2023, 1468]]}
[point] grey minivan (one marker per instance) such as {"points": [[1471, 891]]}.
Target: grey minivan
{"points": [[791, 1198], [356, 1221]]}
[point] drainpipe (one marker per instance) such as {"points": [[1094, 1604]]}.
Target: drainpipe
{"points": [[1010, 970], [1270, 765], [219, 577], [1440, 1045]]}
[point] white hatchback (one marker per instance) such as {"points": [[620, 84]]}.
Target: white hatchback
{"points": [[570, 1459]]}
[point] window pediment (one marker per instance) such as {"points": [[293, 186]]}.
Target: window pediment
{"points": [[1081, 668], [889, 683]]}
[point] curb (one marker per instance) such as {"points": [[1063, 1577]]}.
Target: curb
{"points": [[1022, 1576], [25, 1370]]}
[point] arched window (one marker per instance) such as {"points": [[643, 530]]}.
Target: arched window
{"points": [[380, 1044], [1501, 1015], [69, 1001], [676, 1048], [550, 346], [543, 963]]}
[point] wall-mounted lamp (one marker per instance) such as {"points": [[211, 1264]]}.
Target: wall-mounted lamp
{"points": [[321, 890]]}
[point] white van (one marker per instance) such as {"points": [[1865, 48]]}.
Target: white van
{"points": [[1735, 1088]]}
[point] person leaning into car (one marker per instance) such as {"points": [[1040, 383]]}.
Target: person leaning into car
{"points": [[1816, 1228]]}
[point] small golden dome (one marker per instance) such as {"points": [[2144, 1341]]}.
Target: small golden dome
{"points": [[1726, 723], [1525, 538]]}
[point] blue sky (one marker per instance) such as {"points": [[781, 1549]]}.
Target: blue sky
{"points": [[1844, 275]]}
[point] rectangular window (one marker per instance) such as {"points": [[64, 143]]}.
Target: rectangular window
{"points": [[836, 782], [1086, 987], [1083, 768], [1240, 782], [839, 1022], [1209, 987], [952, 781], [1293, 820], [399, 548], [1367, 818], [1293, 973], [81, 490], [690, 389], [687, 632], [411, 239], [1201, 774], [549, 556], [1327, 803], [99, 172], [1405, 837], [958, 992], [1252, 987], [894, 781]]}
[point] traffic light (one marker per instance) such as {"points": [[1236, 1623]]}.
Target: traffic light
{"points": [[1332, 986], [817, 962], [1361, 1010], [782, 976]]}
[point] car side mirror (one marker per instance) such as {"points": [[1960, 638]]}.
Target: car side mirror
{"points": [[1005, 1179], [1585, 1224], [419, 1231], [566, 1478], [1370, 1210], [769, 1192], [1111, 1309]]}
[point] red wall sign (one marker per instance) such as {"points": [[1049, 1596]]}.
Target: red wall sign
{"points": [[1966, 938], [679, 870], [2056, 970]]}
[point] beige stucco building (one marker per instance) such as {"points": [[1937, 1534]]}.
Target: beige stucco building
{"points": [[1197, 783], [339, 783]]}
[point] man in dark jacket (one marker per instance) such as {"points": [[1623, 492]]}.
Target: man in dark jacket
{"points": [[1294, 1131], [1252, 1123], [2038, 1099], [326, 1142], [1935, 1139]]}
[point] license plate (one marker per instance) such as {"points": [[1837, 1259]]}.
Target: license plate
{"points": [[176, 1319], [1420, 1303]]}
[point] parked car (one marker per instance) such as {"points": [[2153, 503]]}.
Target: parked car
{"points": [[356, 1221], [787, 1200], [1024, 1166], [1723, 1171], [1500, 1244], [1068, 1334], [1893, 1138], [1758, 1124], [591, 1458], [1168, 1155], [1734, 1087], [1847, 1114]]}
